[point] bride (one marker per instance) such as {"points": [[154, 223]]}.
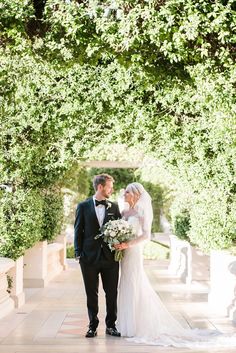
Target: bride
{"points": [[141, 314]]}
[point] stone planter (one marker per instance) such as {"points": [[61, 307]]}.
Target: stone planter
{"points": [[6, 302], [222, 296]]}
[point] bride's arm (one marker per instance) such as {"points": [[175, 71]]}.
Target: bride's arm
{"points": [[131, 243]]}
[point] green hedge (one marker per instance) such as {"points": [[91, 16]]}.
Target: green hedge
{"points": [[52, 214], [206, 219], [28, 216], [181, 225], [156, 193], [20, 221], [213, 221]]}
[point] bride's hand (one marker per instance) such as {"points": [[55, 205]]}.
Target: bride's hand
{"points": [[121, 246]]}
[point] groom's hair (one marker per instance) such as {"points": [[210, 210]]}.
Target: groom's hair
{"points": [[101, 179]]}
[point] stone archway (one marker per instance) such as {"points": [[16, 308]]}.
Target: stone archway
{"points": [[111, 164]]}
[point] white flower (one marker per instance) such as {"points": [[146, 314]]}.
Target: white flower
{"points": [[108, 205], [115, 232]]}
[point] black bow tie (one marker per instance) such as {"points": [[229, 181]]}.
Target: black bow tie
{"points": [[102, 202]]}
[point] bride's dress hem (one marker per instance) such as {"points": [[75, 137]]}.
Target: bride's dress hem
{"points": [[142, 316]]}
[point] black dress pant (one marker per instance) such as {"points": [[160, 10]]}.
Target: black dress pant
{"points": [[109, 272]]}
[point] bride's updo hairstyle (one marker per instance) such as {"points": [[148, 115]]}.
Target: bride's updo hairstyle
{"points": [[142, 204], [135, 189]]}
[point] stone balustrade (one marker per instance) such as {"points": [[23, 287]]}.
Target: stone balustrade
{"points": [[54, 264], [43, 262], [40, 264], [6, 302], [35, 266], [187, 262], [17, 289], [217, 271], [180, 259], [200, 265], [222, 296]]}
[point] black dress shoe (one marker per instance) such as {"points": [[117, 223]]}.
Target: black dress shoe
{"points": [[91, 333], [112, 331]]}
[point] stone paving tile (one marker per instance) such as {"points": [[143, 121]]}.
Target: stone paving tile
{"points": [[54, 319], [72, 326]]}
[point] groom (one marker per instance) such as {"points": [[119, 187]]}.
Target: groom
{"points": [[94, 255]]}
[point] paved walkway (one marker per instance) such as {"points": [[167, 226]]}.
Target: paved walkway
{"points": [[54, 319]]}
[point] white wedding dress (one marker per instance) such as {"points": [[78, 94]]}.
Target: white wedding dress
{"points": [[141, 314]]}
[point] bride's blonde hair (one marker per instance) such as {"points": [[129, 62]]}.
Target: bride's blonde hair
{"points": [[135, 189], [142, 204]]}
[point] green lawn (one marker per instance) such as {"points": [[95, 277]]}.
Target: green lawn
{"points": [[155, 251], [152, 251]]}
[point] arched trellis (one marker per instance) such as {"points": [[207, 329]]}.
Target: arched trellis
{"points": [[167, 87]]}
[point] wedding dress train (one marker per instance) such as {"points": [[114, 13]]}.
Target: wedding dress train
{"points": [[144, 318]]}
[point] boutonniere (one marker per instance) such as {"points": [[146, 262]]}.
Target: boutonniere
{"points": [[108, 205]]}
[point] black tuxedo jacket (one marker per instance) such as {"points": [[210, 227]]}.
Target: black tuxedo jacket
{"points": [[87, 227]]}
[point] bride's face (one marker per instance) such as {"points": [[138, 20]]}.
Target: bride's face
{"points": [[130, 197]]}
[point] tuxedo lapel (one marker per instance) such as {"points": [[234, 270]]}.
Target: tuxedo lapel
{"points": [[106, 216], [93, 212], [109, 213]]}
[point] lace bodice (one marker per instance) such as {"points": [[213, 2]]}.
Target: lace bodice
{"points": [[135, 223], [141, 230]]}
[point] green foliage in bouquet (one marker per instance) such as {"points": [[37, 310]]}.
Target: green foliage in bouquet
{"points": [[116, 232]]}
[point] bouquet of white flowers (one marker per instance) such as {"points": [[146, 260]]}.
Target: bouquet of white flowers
{"points": [[116, 232]]}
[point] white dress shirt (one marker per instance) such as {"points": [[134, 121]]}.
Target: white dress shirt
{"points": [[100, 212]]}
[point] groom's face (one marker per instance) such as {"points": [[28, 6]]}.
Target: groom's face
{"points": [[107, 189]]}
